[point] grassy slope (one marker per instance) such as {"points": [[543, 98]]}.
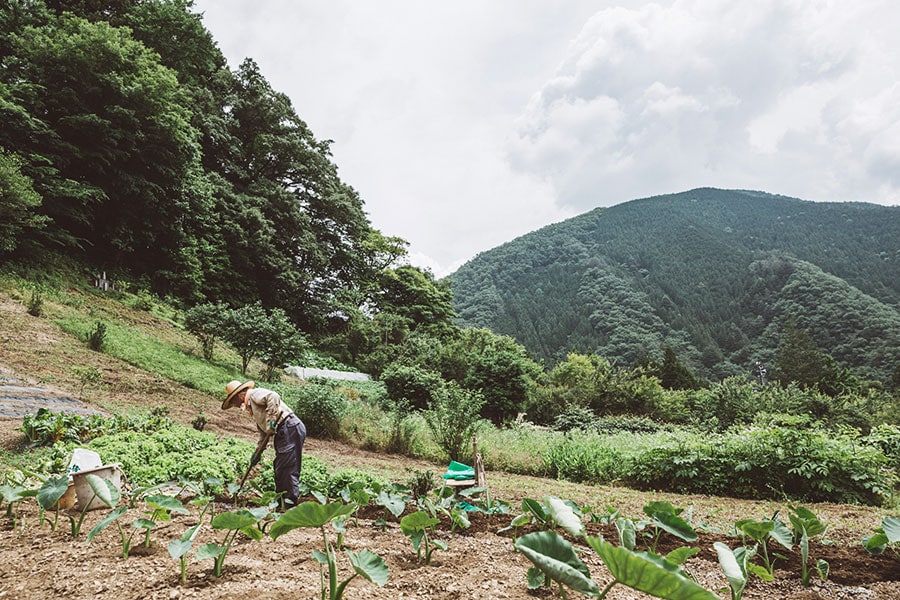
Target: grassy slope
{"points": [[41, 351]]}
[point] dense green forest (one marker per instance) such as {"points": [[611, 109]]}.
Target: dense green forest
{"points": [[716, 276], [128, 144]]}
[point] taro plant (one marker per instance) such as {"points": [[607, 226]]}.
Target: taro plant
{"points": [[762, 532], [554, 559], [885, 536], [49, 496], [665, 517], [313, 514], [105, 522], [234, 522], [415, 526], [13, 496], [179, 549], [735, 565], [480, 498], [103, 490], [554, 512], [805, 526], [161, 509]]}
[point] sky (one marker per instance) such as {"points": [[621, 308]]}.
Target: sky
{"points": [[466, 124]]}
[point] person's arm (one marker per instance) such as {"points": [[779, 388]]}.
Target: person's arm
{"points": [[260, 448], [273, 410]]}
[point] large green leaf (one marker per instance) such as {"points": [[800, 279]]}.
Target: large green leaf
{"points": [[309, 514], [168, 503], [369, 565], [891, 528], [232, 520], [105, 522], [178, 548], [627, 534], [417, 521], [781, 533], [675, 525], [735, 572], [10, 493], [562, 514], [659, 507], [394, 503], [207, 551], [648, 573], [757, 530], [104, 489], [535, 508], [52, 491], [556, 557]]}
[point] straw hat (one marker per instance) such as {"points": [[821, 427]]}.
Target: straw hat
{"points": [[233, 388]]}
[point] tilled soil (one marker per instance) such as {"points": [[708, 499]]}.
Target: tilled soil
{"points": [[480, 562]]}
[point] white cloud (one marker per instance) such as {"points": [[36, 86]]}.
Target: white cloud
{"points": [[765, 95], [463, 125]]}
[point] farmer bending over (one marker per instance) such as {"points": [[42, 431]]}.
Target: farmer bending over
{"points": [[273, 418]]}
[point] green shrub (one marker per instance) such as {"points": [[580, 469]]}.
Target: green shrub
{"points": [[453, 418], [320, 407], [96, 338], [412, 384], [35, 306], [772, 462], [581, 457]]}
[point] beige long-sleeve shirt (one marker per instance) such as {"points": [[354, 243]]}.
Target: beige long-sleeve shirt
{"points": [[266, 406]]}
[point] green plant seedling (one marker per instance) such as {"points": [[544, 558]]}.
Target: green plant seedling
{"points": [[179, 549], [761, 532], [806, 525], [313, 514], [162, 507], [885, 536], [553, 512], [665, 517], [734, 564], [234, 522], [105, 522], [49, 495], [646, 572], [104, 490], [627, 533], [393, 501], [554, 559], [415, 526], [518, 521], [13, 496]]}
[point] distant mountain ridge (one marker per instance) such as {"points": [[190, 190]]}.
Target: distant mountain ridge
{"points": [[713, 274]]}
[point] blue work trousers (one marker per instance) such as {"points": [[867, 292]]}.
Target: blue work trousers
{"points": [[288, 458]]}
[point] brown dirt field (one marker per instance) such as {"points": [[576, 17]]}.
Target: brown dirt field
{"points": [[480, 562]]}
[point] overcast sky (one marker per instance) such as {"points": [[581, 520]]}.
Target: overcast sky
{"points": [[466, 124]]}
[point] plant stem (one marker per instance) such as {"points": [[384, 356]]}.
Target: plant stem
{"points": [[606, 589]]}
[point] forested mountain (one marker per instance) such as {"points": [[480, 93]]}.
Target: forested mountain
{"points": [[718, 276]]}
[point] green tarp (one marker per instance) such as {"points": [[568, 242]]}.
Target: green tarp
{"points": [[459, 471]]}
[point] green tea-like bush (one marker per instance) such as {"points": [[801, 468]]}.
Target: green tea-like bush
{"points": [[773, 462], [320, 407], [582, 457], [96, 338]]}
